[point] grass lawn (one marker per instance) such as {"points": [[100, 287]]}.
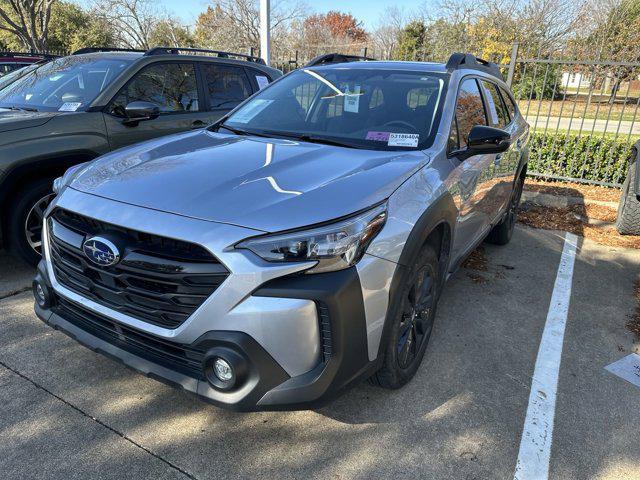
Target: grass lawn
{"points": [[548, 108]]}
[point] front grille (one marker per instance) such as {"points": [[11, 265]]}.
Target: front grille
{"points": [[159, 280], [181, 358]]}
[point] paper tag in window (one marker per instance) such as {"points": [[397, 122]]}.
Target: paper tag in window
{"points": [[262, 81], [352, 100], [69, 107], [403, 140], [250, 110]]}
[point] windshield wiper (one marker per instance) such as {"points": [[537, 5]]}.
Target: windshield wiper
{"points": [[237, 131], [21, 109], [313, 139]]}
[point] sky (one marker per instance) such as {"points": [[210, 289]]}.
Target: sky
{"points": [[368, 11]]}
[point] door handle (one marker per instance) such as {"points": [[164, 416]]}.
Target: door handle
{"points": [[497, 159], [519, 143], [197, 124]]}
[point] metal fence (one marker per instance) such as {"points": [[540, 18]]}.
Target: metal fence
{"points": [[583, 113]]}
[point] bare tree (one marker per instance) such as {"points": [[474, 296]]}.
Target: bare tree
{"points": [[235, 24], [28, 20], [133, 20], [385, 36]]}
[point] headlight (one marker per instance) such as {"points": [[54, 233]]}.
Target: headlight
{"points": [[335, 246], [61, 182]]}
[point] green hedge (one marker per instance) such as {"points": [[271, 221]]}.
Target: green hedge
{"points": [[580, 157]]}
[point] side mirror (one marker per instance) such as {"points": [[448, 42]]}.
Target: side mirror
{"points": [[484, 139], [139, 111]]}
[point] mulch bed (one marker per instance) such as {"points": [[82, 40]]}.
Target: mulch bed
{"points": [[575, 218], [634, 323], [588, 192]]}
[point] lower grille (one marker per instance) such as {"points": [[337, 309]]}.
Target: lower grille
{"points": [[177, 357], [159, 280]]}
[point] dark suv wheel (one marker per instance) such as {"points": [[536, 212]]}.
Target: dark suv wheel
{"points": [[628, 222], [25, 220]]}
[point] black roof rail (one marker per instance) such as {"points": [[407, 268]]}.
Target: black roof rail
{"points": [[466, 60], [329, 58], [218, 53], [104, 49], [28, 54]]}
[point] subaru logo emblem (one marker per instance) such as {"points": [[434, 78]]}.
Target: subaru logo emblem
{"points": [[101, 251]]}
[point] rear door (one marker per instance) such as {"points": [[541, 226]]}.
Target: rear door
{"points": [[474, 175], [173, 86], [505, 163], [225, 87]]}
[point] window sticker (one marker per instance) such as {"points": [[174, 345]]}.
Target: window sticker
{"points": [[403, 140], [378, 136], [352, 100], [250, 110], [262, 81], [69, 107]]}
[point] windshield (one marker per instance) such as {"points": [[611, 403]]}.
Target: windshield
{"points": [[354, 107], [67, 84]]}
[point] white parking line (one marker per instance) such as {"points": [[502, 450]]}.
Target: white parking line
{"points": [[535, 445]]}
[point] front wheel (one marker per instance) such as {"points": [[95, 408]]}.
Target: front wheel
{"points": [[413, 314], [25, 220]]}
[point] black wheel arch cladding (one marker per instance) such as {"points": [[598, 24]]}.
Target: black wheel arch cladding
{"points": [[441, 214]]}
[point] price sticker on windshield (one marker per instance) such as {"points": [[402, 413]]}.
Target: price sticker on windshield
{"points": [[403, 140], [352, 100], [69, 107], [262, 81]]}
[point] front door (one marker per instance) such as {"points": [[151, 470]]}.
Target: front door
{"points": [[174, 88], [473, 187]]}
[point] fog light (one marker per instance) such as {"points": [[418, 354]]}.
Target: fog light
{"points": [[41, 293], [223, 370]]}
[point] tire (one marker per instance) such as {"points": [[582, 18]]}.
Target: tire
{"points": [[25, 220], [413, 318], [501, 234], [628, 221]]}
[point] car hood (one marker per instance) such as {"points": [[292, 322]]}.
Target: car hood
{"points": [[264, 184], [17, 119]]}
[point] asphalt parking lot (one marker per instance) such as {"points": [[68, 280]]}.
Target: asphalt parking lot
{"points": [[70, 413]]}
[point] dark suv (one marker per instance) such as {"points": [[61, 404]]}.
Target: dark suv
{"points": [[76, 108]]}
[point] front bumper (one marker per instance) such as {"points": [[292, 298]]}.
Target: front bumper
{"points": [[267, 386]]}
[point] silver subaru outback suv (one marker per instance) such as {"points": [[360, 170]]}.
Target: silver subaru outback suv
{"points": [[299, 244]]}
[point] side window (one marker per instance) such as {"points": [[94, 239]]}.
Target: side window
{"points": [[171, 86], [227, 85], [511, 106], [498, 116], [469, 110]]}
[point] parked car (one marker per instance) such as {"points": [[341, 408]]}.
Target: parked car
{"points": [[297, 245], [628, 221], [10, 61], [76, 108]]}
